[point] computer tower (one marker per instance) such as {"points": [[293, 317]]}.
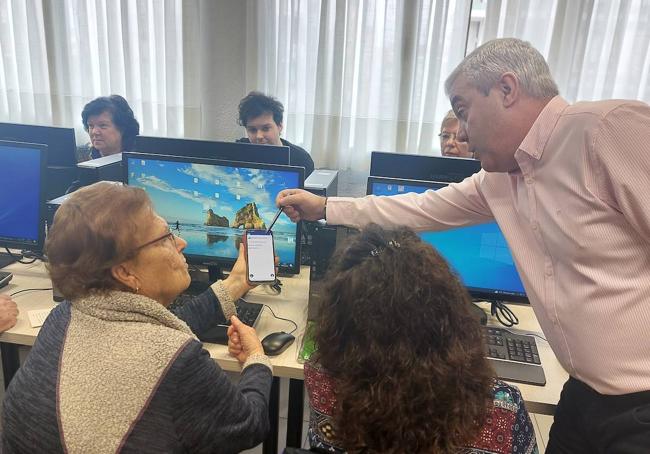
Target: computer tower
{"points": [[106, 168], [324, 240], [323, 182]]}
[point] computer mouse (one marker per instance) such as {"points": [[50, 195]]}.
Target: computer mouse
{"points": [[276, 343]]}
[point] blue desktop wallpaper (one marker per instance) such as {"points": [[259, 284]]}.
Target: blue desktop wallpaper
{"points": [[183, 193], [20, 187], [479, 254]]}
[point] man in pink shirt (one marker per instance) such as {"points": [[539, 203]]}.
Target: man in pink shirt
{"points": [[569, 187]]}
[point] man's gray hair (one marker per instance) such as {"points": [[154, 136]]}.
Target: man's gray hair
{"points": [[485, 65]]}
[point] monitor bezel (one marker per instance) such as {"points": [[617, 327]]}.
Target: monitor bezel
{"points": [[209, 149], [28, 245], [222, 261], [422, 167], [56, 157], [424, 183], [476, 293]]}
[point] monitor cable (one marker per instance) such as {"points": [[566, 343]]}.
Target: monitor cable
{"points": [[30, 290], [504, 315], [520, 332], [276, 286], [23, 255], [295, 325]]}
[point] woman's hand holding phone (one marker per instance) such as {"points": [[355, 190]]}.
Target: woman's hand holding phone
{"points": [[236, 283]]}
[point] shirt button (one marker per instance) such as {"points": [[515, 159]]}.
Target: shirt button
{"points": [[534, 226], [549, 272], [529, 180]]}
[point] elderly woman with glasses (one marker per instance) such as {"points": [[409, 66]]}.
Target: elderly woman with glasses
{"points": [[113, 369], [450, 145]]}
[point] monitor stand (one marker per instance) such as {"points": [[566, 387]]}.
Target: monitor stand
{"points": [[6, 259], [215, 272], [201, 280]]}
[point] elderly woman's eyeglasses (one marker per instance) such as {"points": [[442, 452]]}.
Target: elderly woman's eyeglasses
{"points": [[167, 235]]}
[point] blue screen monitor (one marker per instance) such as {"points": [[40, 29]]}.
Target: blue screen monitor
{"points": [[22, 197], [478, 254], [212, 202]]}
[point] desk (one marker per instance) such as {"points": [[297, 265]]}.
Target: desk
{"points": [[291, 304]]}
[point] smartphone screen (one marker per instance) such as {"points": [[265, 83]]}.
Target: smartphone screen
{"points": [[260, 257]]}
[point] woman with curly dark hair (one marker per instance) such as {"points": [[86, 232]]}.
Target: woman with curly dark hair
{"points": [[399, 365]]}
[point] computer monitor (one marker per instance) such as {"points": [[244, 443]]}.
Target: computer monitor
{"points": [[421, 167], [61, 144], [211, 202], [22, 199], [479, 254], [227, 151]]}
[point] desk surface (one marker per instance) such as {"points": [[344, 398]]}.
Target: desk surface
{"points": [[292, 304]]}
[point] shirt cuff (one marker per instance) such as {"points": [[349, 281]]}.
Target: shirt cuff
{"points": [[225, 300], [341, 211], [258, 359]]}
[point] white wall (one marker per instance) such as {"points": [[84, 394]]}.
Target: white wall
{"points": [[215, 84]]}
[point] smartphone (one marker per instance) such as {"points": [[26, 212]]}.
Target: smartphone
{"points": [[260, 256]]}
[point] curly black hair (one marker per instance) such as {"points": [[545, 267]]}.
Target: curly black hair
{"points": [[255, 104], [396, 333], [122, 114]]}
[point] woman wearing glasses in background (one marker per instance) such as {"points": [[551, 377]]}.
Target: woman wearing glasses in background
{"points": [[449, 143], [112, 368]]}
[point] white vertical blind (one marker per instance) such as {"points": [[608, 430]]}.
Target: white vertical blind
{"points": [[358, 76], [57, 56], [354, 75], [596, 49]]}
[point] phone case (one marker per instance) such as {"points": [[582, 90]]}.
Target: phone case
{"points": [[247, 270]]}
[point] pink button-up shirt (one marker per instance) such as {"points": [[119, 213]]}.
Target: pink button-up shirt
{"points": [[577, 220]]}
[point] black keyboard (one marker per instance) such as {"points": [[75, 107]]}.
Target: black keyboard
{"points": [[248, 313], [502, 344], [514, 357]]}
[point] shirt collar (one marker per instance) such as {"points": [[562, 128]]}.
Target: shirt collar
{"points": [[535, 141]]}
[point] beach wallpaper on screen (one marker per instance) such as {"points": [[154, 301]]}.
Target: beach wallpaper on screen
{"points": [[212, 205]]}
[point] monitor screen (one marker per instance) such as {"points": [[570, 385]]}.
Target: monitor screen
{"points": [[61, 144], [479, 254], [227, 151], [210, 203], [22, 205], [422, 167]]}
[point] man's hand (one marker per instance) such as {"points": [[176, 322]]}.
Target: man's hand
{"points": [[8, 313], [242, 340], [301, 205]]}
